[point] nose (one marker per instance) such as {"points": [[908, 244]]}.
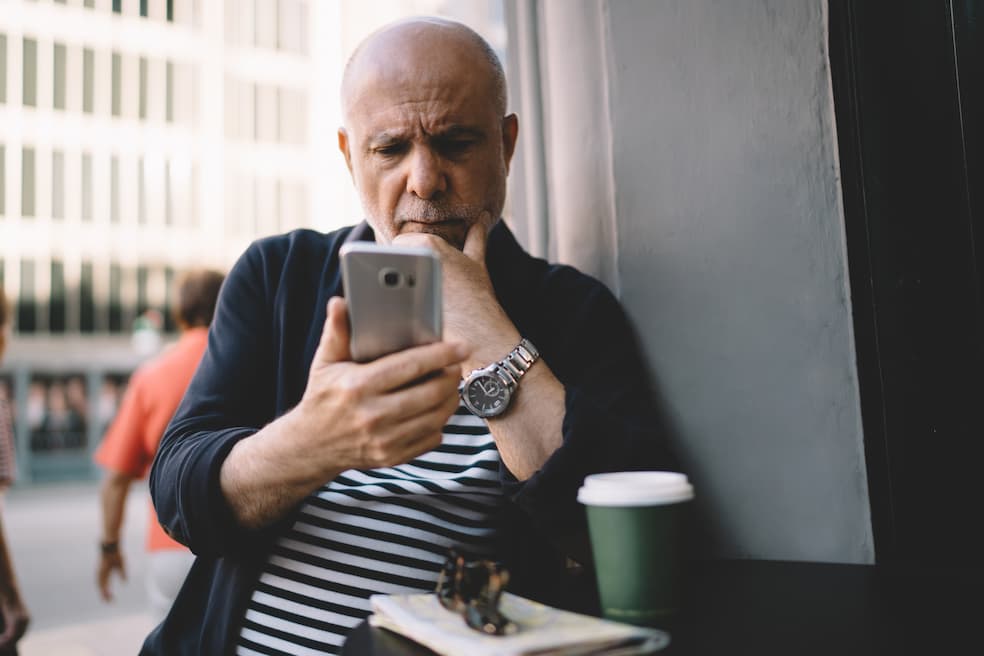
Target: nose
{"points": [[426, 177]]}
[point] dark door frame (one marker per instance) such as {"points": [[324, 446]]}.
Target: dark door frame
{"points": [[908, 82]]}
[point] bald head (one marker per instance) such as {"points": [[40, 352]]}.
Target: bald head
{"points": [[426, 137], [424, 44]]}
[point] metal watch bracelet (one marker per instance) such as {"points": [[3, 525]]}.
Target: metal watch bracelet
{"points": [[518, 362]]}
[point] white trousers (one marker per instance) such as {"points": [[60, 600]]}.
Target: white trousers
{"points": [[166, 571]]}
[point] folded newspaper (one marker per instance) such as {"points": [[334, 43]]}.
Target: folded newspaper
{"points": [[543, 630]]}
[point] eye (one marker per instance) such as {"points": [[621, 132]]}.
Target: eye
{"points": [[389, 149], [453, 147]]}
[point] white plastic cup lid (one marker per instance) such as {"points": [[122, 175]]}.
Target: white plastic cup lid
{"points": [[635, 488]]}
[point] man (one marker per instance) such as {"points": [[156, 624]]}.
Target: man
{"points": [[14, 616], [128, 448], [305, 482]]}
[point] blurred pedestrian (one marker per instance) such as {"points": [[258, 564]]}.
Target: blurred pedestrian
{"points": [[14, 617], [128, 448]]}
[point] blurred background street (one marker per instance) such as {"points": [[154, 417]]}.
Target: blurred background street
{"points": [[54, 532], [138, 139]]}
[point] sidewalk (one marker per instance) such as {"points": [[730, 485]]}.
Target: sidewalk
{"points": [[53, 532], [120, 636]]}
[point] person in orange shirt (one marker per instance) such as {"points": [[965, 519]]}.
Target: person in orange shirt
{"points": [[127, 450]]}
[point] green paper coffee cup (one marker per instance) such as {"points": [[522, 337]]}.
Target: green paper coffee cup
{"points": [[637, 524]]}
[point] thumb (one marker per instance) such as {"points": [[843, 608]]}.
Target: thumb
{"points": [[334, 344], [477, 237]]}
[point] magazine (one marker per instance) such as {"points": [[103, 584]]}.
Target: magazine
{"points": [[542, 630]]}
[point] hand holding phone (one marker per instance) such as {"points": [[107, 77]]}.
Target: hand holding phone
{"points": [[393, 295]]}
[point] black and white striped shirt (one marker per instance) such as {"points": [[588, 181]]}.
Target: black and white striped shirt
{"points": [[374, 531]]}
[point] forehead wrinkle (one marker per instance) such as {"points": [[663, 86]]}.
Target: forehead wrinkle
{"points": [[412, 116]]}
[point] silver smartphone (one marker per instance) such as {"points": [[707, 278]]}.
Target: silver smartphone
{"points": [[393, 295]]}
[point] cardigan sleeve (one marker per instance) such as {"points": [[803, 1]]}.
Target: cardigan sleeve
{"points": [[610, 423], [228, 399]]}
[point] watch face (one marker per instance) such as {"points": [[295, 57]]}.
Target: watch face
{"points": [[487, 395]]}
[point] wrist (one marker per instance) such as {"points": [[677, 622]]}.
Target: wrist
{"points": [[491, 351], [109, 547]]}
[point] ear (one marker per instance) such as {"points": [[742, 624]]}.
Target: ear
{"points": [[345, 147], [510, 130]]}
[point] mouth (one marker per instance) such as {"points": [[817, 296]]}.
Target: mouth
{"points": [[439, 226]]}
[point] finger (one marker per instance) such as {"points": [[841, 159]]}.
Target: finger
{"points": [[122, 569], [416, 436], [334, 344], [104, 591], [102, 580], [428, 420], [396, 370], [477, 238], [422, 395]]}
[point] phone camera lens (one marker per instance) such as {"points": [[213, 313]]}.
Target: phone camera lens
{"points": [[411, 281], [391, 278]]}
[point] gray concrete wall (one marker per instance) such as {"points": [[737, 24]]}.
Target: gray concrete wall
{"points": [[702, 131], [732, 264]]}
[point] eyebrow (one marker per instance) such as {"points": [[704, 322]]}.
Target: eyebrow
{"points": [[452, 132], [456, 131], [384, 138]]}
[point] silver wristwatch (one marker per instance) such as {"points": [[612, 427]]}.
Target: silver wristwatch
{"points": [[487, 392]]}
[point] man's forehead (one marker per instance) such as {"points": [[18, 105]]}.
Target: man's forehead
{"points": [[431, 103]]}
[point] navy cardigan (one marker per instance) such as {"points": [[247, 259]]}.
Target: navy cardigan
{"points": [[267, 324]]}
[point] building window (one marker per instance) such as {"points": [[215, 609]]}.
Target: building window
{"points": [[265, 25], [230, 107], [193, 197], [292, 24], [267, 118], [168, 201], [117, 6], [58, 93], [141, 192], [3, 179], [293, 113], [169, 324], [169, 91], [143, 8], [87, 187], [56, 306], [143, 296], [57, 185], [27, 182], [143, 88], [30, 81], [90, 4], [170, 11], [87, 299], [88, 80], [114, 189], [115, 298], [117, 83], [27, 321], [3, 68]]}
